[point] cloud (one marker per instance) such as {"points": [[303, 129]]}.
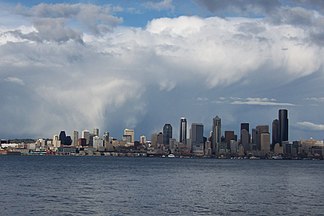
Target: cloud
{"points": [[310, 126], [252, 101], [142, 77], [61, 22], [160, 5], [15, 80], [239, 7], [316, 99]]}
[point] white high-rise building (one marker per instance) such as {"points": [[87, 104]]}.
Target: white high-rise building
{"points": [[56, 141], [143, 139], [98, 142], [130, 133]]}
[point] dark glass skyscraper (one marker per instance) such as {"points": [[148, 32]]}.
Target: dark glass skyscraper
{"points": [[283, 125], [183, 130], [217, 134], [275, 132], [167, 134], [197, 136]]}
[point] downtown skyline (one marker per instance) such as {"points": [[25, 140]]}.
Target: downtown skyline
{"points": [[119, 64]]}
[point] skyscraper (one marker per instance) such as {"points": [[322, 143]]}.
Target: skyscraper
{"points": [[167, 134], [86, 135], [183, 130], [217, 134], [95, 132], [245, 139], [275, 132], [197, 133], [260, 130], [75, 138], [283, 125], [197, 137], [130, 133]]}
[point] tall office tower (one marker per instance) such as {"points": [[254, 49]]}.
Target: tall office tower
{"points": [[86, 135], [283, 125], [183, 130], [131, 133], [265, 143], [98, 142], [275, 132], [62, 138], [245, 126], [245, 140], [167, 134], [106, 139], [160, 138], [154, 139], [75, 137], [217, 134], [260, 130], [197, 136], [95, 132], [56, 141], [229, 135], [143, 139]]}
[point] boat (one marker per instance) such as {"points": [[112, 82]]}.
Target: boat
{"points": [[171, 156]]}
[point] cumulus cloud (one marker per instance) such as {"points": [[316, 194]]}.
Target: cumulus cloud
{"points": [[142, 77], [310, 126]]}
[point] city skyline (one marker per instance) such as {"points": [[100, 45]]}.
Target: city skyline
{"points": [[140, 64]]}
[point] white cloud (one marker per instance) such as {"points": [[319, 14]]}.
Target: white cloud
{"points": [[15, 80], [316, 99], [310, 126], [124, 77], [252, 101]]}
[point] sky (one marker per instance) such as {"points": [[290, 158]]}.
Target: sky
{"points": [[75, 65]]}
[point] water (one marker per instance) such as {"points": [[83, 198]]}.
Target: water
{"points": [[36, 185]]}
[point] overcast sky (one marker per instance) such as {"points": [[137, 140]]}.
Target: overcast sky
{"points": [[140, 64]]}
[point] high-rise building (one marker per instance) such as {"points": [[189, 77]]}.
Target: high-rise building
{"points": [[95, 132], [217, 134], [197, 138], [131, 133], [62, 137], [167, 134], [183, 130], [143, 139], [75, 137], [275, 132], [98, 142], [283, 125], [265, 143], [86, 135], [56, 141], [245, 140], [106, 139], [229, 135], [260, 130], [160, 138], [245, 126]]}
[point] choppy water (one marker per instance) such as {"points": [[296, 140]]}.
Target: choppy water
{"points": [[36, 185]]}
